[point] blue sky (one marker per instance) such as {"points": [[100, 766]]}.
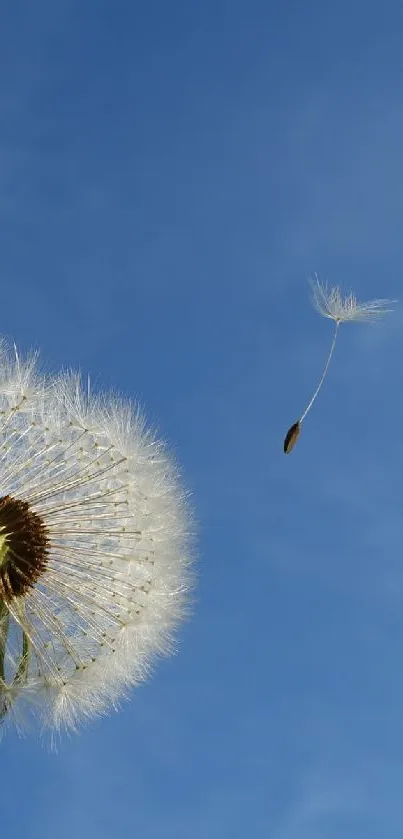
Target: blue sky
{"points": [[170, 175]]}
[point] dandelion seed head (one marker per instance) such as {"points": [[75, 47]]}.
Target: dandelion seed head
{"points": [[330, 303], [95, 537]]}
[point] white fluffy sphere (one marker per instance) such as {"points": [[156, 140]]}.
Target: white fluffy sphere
{"points": [[94, 547]]}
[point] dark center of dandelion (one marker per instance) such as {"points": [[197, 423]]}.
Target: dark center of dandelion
{"points": [[24, 547]]}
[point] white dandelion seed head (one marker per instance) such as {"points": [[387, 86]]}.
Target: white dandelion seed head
{"points": [[95, 537], [330, 303]]}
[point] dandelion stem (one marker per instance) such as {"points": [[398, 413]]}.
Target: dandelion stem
{"points": [[4, 625], [323, 376], [22, 666], [22, 669]]}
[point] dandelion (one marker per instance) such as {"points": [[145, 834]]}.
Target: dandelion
{"points": [[330, 303], [94, 548]]}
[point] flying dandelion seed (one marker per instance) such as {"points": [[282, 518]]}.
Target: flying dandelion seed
{"points": [[94, 548], [330, 303]]}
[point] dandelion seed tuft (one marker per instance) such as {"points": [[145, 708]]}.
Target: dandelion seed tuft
{"points": [[330, 303], [95, 548]]}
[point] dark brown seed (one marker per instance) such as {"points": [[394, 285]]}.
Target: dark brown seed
{"points": [[291, 437], [27, 546]]}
